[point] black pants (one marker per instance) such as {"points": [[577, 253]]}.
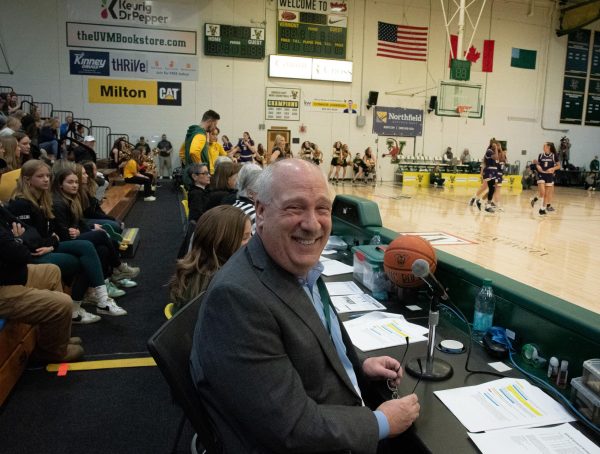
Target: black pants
{"points": [[147, 182]]}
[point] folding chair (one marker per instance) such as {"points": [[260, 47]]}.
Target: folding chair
{"points": [[170, 346]]}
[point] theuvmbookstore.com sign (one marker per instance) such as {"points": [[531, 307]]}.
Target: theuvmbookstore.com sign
{"points": [[144, 92], [142, 39], [138, 65]]}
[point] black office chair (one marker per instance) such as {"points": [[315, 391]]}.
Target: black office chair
{"points": [[170, 346]]}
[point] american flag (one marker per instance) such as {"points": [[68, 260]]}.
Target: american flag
{"points": [[402, 41]]}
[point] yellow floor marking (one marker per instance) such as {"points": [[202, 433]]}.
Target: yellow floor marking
{"points": [[106, 364]]}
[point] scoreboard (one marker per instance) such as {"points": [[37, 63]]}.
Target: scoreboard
{"points": [[231, 41]]}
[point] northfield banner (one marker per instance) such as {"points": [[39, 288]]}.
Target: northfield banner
{"points": [[396, 121]]}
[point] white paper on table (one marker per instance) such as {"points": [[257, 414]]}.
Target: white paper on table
{"points": [[381, 330], [335, 267], [356, 303], [547, 440], [328, 252], [342, 288], [323, 259], [503, 403]]}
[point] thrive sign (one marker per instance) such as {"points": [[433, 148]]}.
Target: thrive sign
{"points": [[115, 91]]}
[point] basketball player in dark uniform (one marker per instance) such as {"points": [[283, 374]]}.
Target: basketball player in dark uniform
{"points": [[546, 166], [488, 175]]}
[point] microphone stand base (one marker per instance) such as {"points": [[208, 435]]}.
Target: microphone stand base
{"points": [[440, 370]]}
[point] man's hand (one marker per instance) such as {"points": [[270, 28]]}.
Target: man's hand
{"points": [[400, 413], [383, 367], [17, 229]]}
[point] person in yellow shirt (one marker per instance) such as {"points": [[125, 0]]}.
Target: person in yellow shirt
{"points": [[195, 144], [132, 174], [215, 149]]}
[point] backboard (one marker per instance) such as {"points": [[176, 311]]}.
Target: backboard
{"points": [[453, 97]]}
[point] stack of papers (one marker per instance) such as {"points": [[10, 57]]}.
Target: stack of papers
{"points": [[348, 297], [381, 330]]}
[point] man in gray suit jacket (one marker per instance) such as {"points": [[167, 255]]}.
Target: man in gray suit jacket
{"points": [[270, 358]]}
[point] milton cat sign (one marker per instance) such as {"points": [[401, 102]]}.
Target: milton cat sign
{"points": [[146, 92]]}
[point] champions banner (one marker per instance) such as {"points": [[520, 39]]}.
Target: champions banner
{"points": [[396, 121]]}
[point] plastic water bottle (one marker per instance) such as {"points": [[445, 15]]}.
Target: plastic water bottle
{"points": [[484, 310], [376, 240]]}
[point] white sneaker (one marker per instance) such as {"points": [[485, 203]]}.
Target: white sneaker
{"points": [[127, 283], [149, 199], [83, 317], [110, 307]]}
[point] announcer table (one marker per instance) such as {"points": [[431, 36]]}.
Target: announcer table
{"points": [[436, 430]]}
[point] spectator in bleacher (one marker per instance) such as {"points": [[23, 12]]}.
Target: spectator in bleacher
{"points": [[115, 153], [198, 193], [247, 188], [29, 127], [223, 184], [448, 155], [3, 164], [219, 233], [13, 103], [66, 126], [465, 157], [48, 139], [24, 144], [12, 153], [143, 145], [12, 125], [164, 157], [92, 211], [85, 152], [70, 225], [196, 140], [3, 106], [132, 174], [33, 294]]}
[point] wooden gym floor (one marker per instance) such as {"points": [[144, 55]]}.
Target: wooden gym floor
{"points": [[558, 253]]}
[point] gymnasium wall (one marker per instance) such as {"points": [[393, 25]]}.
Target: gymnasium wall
{"points": [[521, 106]]}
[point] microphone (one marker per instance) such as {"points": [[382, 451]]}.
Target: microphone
{"points": [[420, 269]]}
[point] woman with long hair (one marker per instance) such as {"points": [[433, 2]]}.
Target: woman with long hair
{"points": [[245, 148], [115, 153], [24, 144], [69, 225], [278, 151], [219, 233], [12, 152], [337, 152], [92, 211], [223, 184], [31, 204]]}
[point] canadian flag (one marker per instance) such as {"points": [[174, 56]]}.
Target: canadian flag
{"points": [[474, 55]]}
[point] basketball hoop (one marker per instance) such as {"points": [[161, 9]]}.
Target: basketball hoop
{"points": [[463, 111]]}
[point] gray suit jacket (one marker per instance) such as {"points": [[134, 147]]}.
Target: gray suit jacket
{"points": [[267, 368]]}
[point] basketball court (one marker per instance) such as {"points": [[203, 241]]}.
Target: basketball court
{"points": [[558, 253]]}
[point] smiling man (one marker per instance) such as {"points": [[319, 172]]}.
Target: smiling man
{"points": [[270, 358]]}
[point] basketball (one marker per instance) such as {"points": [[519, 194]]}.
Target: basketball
{"points": [[400, 255]]}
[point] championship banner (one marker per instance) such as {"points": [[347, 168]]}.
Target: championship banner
{"points": [[131, 38], [134, 12], [142, 92], [396, 121], [330, 105], [137, 65], [282, 103]]}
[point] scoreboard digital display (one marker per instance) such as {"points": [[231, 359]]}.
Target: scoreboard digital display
{"points": [[231, 41], [310, 34]]}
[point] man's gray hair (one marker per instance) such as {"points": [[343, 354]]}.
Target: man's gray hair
{"points": [[247, 179], [266, 180]]}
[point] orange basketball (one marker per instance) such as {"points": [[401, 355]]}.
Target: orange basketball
{"points": [[400, 255]]}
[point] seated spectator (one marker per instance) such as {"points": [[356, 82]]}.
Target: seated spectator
{"points": [[219, 233], [247, 187], [25, 148], [92, 211], [12, 152], [133, 174], [65, 127], [116, 153], [435, 177], [448, 155], [13, 103], [143, 146], [465, 157], [528, 178], [222, 185], [33, 294], [85, 152], [12, 125], [48, 139], [198, 193]]}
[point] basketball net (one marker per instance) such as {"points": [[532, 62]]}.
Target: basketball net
{"points": [[463, 111]]}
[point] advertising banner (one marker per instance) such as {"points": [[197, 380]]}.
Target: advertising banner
{"points": [[282, 103], [396, 121], [346, 106], [134, 12], [143, 92], [138, 65], [117, 37]]}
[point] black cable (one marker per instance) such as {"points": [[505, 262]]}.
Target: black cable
{"points": [[420, 375]]}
